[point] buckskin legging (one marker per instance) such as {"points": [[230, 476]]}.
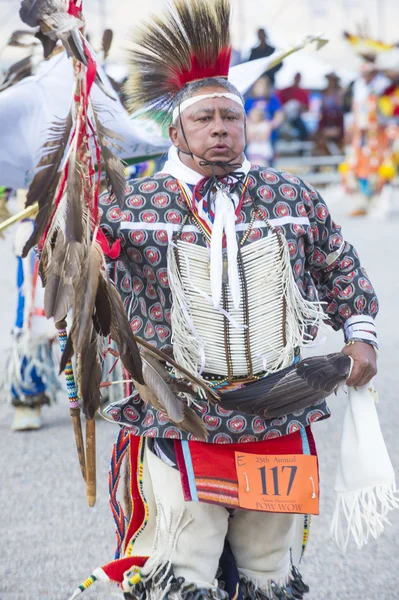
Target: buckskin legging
{"points": [[190, 535]]}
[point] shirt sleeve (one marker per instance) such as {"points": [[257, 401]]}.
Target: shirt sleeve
{"points": [[350, 301]]}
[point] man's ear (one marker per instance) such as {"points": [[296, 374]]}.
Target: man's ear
{"points": [[173, 134]]}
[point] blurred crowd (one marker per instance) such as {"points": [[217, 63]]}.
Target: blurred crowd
{"points": [[283, 114]]}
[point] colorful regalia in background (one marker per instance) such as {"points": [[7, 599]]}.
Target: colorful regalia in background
{"points": [[371, 163]]}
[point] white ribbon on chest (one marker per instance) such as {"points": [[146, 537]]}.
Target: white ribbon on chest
{"points": [[224, 206]]}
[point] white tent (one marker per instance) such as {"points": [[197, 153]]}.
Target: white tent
{"points": [[313, 70], [28, 109]]}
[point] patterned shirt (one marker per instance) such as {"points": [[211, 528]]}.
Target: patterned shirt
{"points": [[324, 265]]}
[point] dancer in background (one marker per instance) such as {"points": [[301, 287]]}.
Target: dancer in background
{"points": [[369, 166], [31, 372]]}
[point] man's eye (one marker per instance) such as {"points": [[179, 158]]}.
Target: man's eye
{"points": [[232, 118], [204, 119]]}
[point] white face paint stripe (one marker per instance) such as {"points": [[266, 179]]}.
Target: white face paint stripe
{"points": [[190, 101]]}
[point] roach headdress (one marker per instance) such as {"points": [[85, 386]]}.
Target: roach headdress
{"points": [[189, 42]]}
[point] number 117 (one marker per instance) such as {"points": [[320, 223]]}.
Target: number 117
{"points": [[274, 470]]}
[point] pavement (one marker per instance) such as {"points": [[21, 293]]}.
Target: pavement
{"points": [[50, 541]]}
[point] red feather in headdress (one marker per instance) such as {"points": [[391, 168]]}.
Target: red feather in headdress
{"points": [[189, 42], [197, 71]]}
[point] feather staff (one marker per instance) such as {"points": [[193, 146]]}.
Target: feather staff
{"points": [[66, 222]]}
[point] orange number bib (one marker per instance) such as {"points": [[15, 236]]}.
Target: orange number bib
{"points": [[285, 483]]}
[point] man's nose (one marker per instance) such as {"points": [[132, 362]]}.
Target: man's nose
{"points": [[219, 126]]}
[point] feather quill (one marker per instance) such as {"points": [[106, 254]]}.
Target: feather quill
{"points": [[103, 308], [74, 205], [60, 274]]}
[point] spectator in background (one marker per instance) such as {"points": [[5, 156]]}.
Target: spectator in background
{"points": [[262, 97], [295, 100], [262, 50], [259, 150], [331, 124]]}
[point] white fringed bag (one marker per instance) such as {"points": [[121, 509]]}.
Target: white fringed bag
{"points": [[365, 481]]}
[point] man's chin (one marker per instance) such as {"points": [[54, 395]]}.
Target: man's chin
{"points": [[219, 157]]}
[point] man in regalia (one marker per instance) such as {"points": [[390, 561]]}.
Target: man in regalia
{"points": [[222, 265]]}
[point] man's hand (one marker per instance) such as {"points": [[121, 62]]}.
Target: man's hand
{"points": [[364, 365]]}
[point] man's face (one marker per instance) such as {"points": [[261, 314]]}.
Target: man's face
{"points": [[262, 37], [261, 88], [215, 131]]}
